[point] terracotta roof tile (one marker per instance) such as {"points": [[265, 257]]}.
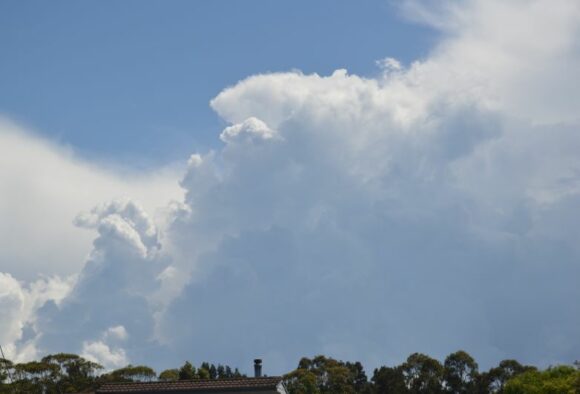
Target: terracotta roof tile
{"points": [[193, 385]]}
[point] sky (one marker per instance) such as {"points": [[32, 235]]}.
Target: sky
{"points": [[131, 82], [221, 181]]}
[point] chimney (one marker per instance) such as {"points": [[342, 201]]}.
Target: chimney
{"points": [[257, 368]]}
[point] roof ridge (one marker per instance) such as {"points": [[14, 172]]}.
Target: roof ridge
{"points": [[202, 380], [263, 382]]}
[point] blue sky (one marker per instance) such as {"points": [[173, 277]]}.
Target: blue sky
{"points": [[131, 81], [220, 181]]}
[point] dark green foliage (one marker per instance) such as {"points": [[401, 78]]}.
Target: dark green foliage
{"points": [[131, 373], [423, 374], [301, 381], [221, 371], [460, 373], [187, 371], [360, 380], [327, 375], [497, 377], [207, 371], [169, 375], [202, 373], [69, 373], [225, 372], [213, 372], [562, 379], [57, 373], [388, 380]]}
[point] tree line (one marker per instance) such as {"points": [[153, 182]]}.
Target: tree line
{"points": [[69, 373], [419, 374]]}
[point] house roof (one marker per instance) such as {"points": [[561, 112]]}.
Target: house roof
{"points": [[235, 384]]}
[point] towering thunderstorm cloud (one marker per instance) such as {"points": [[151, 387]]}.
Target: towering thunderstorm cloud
{"points": [[433, 207]]}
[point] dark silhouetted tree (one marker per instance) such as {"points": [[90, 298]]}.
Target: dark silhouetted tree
{"points": [[187, 371], [213, 372], [326, 375], [460, 373], [423, 374], [507, 369], [132, 373], [388, 380]]}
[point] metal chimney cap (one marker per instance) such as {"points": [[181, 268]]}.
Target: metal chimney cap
{"points": [[257, 368]]}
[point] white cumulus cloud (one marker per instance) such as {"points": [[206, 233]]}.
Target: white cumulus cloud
{"points": [[430, 208], [43, 187], [19, 304], [101, 353]]}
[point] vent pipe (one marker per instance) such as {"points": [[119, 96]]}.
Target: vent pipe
{"points": [[257, 368]]}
